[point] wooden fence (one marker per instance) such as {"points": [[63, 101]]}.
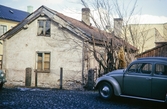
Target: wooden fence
{"points": [[159, 51]]}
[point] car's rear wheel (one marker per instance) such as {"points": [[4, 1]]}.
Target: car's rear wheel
{"points": [[1, 85], [105, 90]]}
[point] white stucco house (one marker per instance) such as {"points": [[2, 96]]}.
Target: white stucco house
{"points": [[46, 41]]}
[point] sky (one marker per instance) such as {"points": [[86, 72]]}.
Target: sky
{"points": [[150, 11]]}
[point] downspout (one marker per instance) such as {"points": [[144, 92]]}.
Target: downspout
{"points": [[4, 55], [83, 60]]}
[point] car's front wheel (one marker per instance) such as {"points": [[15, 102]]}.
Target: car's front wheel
{"points": [[105, 90]]}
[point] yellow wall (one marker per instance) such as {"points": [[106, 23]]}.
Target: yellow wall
{"points": [[9, 24], [151, 32], [165, 30]]}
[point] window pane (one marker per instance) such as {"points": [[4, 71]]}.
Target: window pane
{"points": [[46, 65], [47, 56], [39, 66], [161, 69], [41, 23], [132, 68], [39, 61], [47, 28], [41, 27], [47, 61], [135, 68], [3, 29], [146, 68], [39, 56]]}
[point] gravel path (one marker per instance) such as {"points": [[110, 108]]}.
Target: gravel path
{"points": [[34, 98]]}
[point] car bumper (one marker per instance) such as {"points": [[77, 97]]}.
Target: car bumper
{"points": [[3, 80]]}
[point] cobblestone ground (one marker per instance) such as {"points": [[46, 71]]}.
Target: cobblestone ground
{"points": [[36, 98]]}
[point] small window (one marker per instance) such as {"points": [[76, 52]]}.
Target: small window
{"points": [[3, 29], [161, 69], [43, 61], [43, 27]]}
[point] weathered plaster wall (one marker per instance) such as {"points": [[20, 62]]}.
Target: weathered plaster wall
{"points": [[66, 52]]}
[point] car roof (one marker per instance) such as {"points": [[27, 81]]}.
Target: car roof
{"points": [[153, 58]]}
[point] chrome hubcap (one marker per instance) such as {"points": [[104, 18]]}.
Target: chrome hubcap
{"points": [[105, 91]]}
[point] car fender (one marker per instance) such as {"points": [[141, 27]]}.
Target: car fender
{"points": [[112, 81]]}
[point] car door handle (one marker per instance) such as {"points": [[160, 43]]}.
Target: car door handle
{"points": [[148, 78]]}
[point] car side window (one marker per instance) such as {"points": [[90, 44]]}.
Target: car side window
{"points": [[134, 68], [146, 68], [142, 68], [161, 69]]}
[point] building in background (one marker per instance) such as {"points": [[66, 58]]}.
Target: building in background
{"points": [[9, 18], [145, 36]]}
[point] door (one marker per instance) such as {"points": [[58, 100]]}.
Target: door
{"points": [[159, 81], [137, 80]]}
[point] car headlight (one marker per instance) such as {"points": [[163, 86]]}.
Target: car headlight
{"points": [[2, 74]]}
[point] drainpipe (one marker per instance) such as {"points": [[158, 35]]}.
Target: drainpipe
{"points": [[83, 60]]}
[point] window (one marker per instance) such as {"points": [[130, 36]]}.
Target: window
{"points": [[134, 68], [144, 68], [161, 69], [3, 29], [44, 27], [43, 61]]}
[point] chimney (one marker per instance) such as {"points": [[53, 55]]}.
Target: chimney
{"points": [[118, 26], [108, 29], [29, 9], [86, 15]]}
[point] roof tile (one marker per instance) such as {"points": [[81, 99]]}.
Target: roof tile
{"points": [[8, 13]]}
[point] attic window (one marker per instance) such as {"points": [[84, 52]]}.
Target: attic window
{"points": [[43, 27], [11, 11]]}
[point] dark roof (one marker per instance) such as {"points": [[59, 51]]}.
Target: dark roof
{"points": [[87, 30], [98, 34], [8, 13]]}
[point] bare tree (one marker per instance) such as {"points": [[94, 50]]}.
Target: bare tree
{"points": [[106, 11], [139, 35], [105, 61]]}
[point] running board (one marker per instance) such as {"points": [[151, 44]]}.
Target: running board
{"points": [[143, 98]]}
